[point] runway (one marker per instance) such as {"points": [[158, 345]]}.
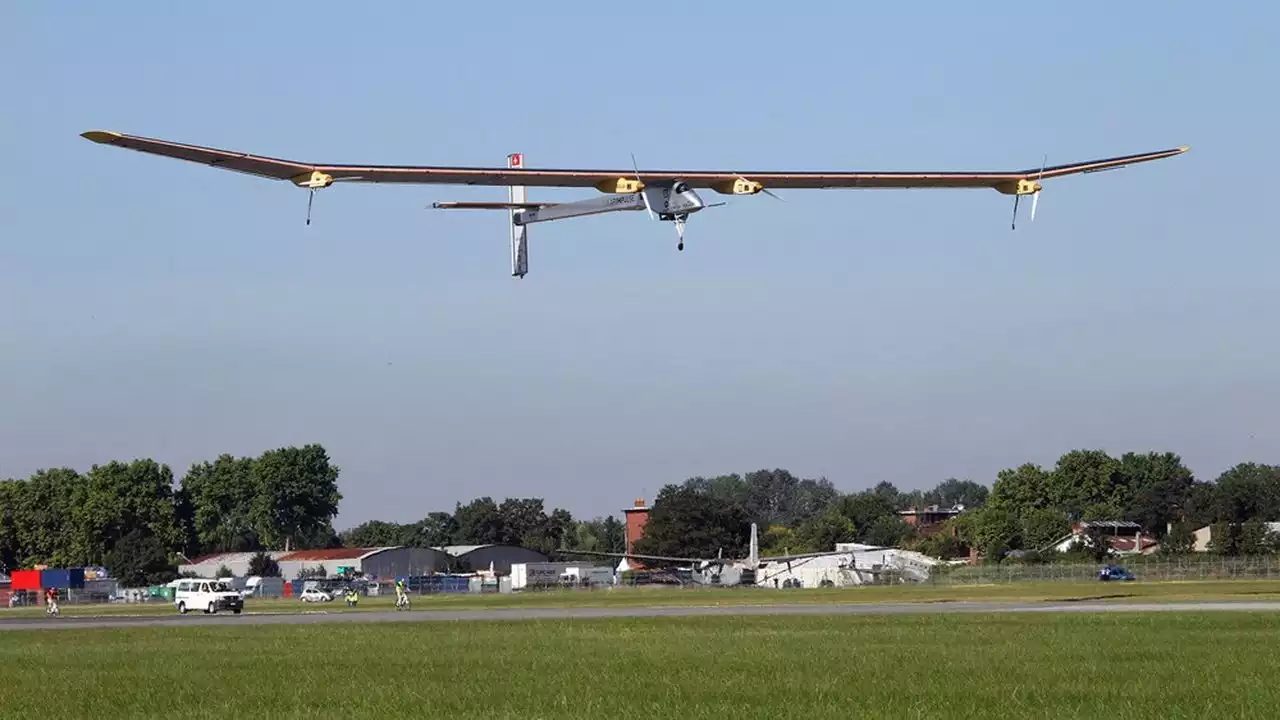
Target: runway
{"points": [[508, 614]]}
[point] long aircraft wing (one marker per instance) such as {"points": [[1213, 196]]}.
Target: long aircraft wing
{"points": [[278, 169]]}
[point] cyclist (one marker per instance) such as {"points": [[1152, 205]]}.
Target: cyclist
{"points": [[402, 594]]}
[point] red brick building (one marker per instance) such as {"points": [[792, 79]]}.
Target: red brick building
{"points": [[637, 515]]}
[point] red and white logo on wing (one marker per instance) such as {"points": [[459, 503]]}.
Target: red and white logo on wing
{"points": [[515, 160]]}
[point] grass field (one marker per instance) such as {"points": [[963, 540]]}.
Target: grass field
{"points": [[655, 596], [1044, 666]]}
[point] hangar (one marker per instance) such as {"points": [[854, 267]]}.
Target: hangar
{"points": [[472, 558], [237, 562], [381, 562], [373, 563]]}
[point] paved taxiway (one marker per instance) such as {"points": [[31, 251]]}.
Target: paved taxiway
{"points": [[312, 618]]}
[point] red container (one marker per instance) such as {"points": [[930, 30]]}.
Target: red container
{"points": [[24, 580]]}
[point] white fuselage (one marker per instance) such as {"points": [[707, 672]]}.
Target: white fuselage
{"points": [[668, 201]]}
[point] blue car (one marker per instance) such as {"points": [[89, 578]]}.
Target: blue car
{"points": [[1115, 572]]}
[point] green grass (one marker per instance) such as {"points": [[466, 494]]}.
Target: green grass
{"points": [[654, 596], [1162, 666]]}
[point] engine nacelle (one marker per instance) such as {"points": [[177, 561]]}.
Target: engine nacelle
{"points": [[313, 180], [738, 186], [1021, 187], [619, 185]]}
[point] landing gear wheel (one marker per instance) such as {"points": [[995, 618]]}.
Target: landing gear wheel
{"points": [[182, 608], [212, 609]]}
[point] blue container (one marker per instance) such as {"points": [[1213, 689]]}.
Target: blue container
{"points": [[75, 578], [56, 578]]}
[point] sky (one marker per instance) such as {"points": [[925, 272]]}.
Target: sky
{"points": [[156, 308]]}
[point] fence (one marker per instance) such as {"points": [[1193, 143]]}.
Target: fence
{"points": [[1200, 567]]}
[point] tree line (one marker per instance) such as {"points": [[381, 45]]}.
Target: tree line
{"points": [[137, 521], [1025, 512]]}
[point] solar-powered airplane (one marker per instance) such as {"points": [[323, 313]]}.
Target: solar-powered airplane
{"points": [[667, 195]]}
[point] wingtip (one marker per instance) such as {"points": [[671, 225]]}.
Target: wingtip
{"points": [[1183, 148], [101, 136]]}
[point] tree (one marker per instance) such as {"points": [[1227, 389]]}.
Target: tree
{"points": [[478, 522], [377, 533], [994, 530], [1224, 539], [1159, 486], [437, 529], [296, 496], [1180, 540], [222, 496], [263, 565], [523, 522], [685, 522], [1255, 538], [41, 529], [10, 548], [887, 531], [812, 498], [952, 492], [821, 534], [943, 545], [1248, 491], [140, 559], [865, 508], [1041, 527], [771, 496], [780, 539], [611, 535], [1021, 489], [1087, 478], [118, 498]]}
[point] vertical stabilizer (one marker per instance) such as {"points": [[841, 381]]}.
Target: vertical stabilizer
{"points": [[519, 233], [753, 555]]}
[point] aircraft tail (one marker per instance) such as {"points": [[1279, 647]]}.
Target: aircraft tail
{"points": [[519, 233], [753, 554]]}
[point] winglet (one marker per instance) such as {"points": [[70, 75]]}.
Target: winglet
{"points": [[101, 136]]}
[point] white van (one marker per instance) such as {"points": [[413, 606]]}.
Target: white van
{"points": [[209, 596]]}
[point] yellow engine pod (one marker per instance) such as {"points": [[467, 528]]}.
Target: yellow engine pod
{"points": [[619, 185], [738, 186], [314, 180], [1022, 187]]}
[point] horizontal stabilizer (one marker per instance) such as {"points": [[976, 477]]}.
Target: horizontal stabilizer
{"points": [[462, 205]]}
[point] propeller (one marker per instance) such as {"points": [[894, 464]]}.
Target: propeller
{"points": [[643, 195], [1035, 197]]}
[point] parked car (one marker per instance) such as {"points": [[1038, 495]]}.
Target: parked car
{"points": [[312, 594], [1115, 572]]}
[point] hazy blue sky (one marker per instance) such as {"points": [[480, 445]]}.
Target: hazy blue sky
{"points": [[163, 309]]}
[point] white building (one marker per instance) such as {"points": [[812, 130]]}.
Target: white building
{"points": [[1205, 534]]}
